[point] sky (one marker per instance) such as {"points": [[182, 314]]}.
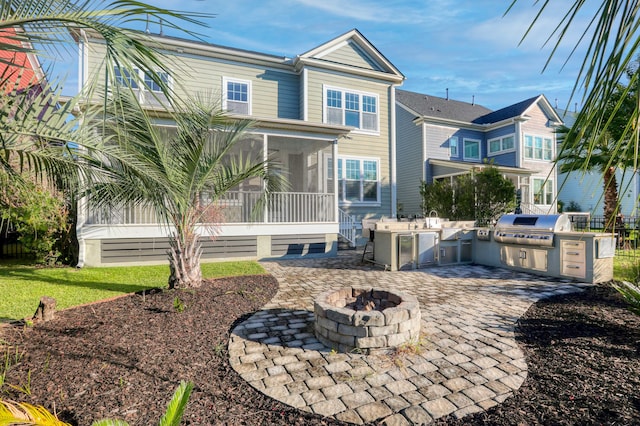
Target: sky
{"points": [[466, 46]]}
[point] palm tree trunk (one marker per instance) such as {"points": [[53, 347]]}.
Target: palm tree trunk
{"points": [[610, 199], [184, 261]]}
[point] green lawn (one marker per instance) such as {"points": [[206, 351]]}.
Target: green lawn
{"points": [[22, 286]]}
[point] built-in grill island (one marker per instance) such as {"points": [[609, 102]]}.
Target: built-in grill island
{"points": [[541, 244], [530, 230], [547, 245]]}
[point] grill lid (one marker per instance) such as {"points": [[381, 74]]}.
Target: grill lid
{"points": [[526, 222]]}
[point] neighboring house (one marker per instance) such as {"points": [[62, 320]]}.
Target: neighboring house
{"points": [[328, 117], [439, 138], [22, 69], [585, 188]]}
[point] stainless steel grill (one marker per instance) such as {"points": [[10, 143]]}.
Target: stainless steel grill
{"points": [[533, 230]]}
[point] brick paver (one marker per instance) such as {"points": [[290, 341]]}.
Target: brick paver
{"points": [[467, 361]]}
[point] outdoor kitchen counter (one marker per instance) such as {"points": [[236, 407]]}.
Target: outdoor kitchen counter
{"points": [[582, 256], [410, 245]]}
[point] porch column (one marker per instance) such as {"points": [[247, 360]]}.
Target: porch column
{"points": [[336, 198], [265, 157]]}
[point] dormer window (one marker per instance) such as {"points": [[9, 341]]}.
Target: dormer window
{"points": [[351, 108], [237, 96]]}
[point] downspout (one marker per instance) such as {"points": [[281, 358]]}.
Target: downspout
{"points": [[81, 208], [392, 159]]}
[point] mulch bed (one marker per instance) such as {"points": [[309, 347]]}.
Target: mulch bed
{"points": [[124, 358]]}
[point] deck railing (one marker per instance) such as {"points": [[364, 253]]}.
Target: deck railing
{"points": [[237, 207]]}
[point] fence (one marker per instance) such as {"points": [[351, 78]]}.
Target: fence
{"points": [[627, 231], [10, 248]]}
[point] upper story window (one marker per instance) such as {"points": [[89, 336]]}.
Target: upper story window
{"points": [[150, 84], [358, 180], [472, 149], [453, 146], [501, 145], [236, 96], [130, 79], [125, 78], [538, 148], [351, 108]]}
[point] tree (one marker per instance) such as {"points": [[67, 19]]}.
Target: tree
{"points": [[604, 156], [613, 40], [39, 138], [34, 129], [179, 175], [482, 195]]}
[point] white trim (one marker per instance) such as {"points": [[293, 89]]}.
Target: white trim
{"points": [[392, 159], [501, 150], [339, 179], [464, 151], [305, 94], [226, 80], [100, 232], [532, 158], [332, 49], [457, 146], [360, 93]]}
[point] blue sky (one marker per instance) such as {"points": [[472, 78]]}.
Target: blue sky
{"points": [[466, 46]]}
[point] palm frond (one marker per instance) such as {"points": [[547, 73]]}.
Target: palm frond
{"points": [[22, 413], [177, 405]]}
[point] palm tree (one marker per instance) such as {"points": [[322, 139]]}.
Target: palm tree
{"points": [[179, 174], [613, 41], [34, 130], [604, 153]]}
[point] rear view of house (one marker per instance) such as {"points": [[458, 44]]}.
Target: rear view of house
{"points": [[327, 115]]}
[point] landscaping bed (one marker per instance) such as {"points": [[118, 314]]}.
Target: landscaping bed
{"points": [[124, 358]]}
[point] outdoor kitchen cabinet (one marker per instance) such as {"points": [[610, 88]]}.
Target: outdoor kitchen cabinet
{"points": [[524, 257], [573, 258]]}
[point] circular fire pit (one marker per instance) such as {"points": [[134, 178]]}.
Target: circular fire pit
{"points": [[366, 320]]}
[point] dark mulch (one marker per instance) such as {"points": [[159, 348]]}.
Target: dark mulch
{"points": [[124, 358]]}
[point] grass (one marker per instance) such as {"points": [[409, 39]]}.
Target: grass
{"points": [[21, 286], [627, 267]]}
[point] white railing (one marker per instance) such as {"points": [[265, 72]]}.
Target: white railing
{"points": [[237, 207], [300, 207], [528, 208], [347, 227]]}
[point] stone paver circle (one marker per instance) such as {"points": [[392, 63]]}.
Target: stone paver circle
{"points": [[466, 359]]}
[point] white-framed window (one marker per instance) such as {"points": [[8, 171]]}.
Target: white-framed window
{"points": [[358, 180], [453, 146], [538, 148], [351, 108], [542, 191], [501, 145], [126, 78], [236, 95], [471, 149]]}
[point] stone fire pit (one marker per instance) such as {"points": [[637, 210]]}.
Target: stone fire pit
{"points": [[366, 320]]}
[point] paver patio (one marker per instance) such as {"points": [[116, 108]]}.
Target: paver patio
{"points": [[467, 361]]}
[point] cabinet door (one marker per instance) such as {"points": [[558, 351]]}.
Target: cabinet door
{"points": [[510, 256], [537, 259]]}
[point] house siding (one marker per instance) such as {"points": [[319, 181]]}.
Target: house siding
{"points": [[587, 190], [274, 93], [537, 125], [410, 161], [359, 144], [350, 55]]}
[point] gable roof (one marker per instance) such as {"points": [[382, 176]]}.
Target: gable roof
{"points": [[372, 62], [450, 110], [441, 108], [520, 110]]}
